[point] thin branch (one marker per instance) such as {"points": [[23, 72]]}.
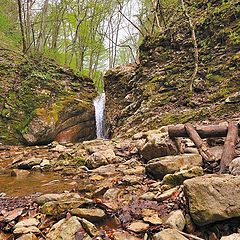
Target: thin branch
{"points": [[120, 11], [190, 235]]}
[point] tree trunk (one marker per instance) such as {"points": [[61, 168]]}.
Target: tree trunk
{"points": [[210, 131], [201, 146], [194, 39], [229, 146], [22, 26]]}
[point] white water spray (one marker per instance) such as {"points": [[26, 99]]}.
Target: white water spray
{"points": [[99, 104]]}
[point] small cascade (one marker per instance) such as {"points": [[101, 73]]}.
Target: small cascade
{"points": [[99, 104]]}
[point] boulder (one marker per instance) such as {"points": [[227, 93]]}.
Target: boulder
{"points": [[55, 197], [65, 229], [168, 234], [176, 220], [158, 145], [62, 205], [68, 120], [213, 198], [178, 178], [91, 214], [101, 158], [159, 167], [28, 164]]}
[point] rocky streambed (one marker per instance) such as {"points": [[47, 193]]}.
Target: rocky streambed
{"points": [[138, 188]]}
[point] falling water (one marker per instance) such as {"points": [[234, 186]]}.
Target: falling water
{"points": [[99, 104]]}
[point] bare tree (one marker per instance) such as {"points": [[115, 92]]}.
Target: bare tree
{"points": [[194, 40], [24, 47]]}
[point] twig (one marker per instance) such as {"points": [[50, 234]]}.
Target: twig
{"points": [[189, 235]]}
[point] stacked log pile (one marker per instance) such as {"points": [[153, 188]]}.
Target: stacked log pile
{"points": [[198, 133]]}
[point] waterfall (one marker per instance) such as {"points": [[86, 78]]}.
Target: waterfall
{"points": [[99, 104]]}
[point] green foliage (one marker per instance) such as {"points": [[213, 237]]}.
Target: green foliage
{"points": [[9, 33]]}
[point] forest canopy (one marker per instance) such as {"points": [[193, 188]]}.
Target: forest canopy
{"points": [[88, 36]]}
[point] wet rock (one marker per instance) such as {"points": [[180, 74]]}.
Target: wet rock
{"points": [[19, 173], [159, 167], [45, 163], [138, 226], [158, 145], [91, 214], [234, 166], [24, 230], [178, 178], [234, 236], [101, 158], [48, 198], [65, 229], [62, 205], [165, 195], [176, 220], [213, 198], [29, 236], [27, 223], [169, 234], [28, 164], [55, 197]]}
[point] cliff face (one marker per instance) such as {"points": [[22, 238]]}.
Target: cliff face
{"points": [[41, 101], [156, 91]]}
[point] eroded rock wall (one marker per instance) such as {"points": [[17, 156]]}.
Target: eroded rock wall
{"points": [[41, 102], [155, 92]]}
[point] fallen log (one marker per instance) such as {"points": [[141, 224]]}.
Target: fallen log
{"points": [[229, 146], [209, 131], [201, 146]]}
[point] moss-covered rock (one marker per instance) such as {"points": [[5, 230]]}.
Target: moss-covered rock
{"points": [[41, 101], [213, 198]]}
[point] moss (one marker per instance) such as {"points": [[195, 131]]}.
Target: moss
{"points": [[80, 161]]}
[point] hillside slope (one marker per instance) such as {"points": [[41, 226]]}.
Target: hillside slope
{"points": [[156, 92]]}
